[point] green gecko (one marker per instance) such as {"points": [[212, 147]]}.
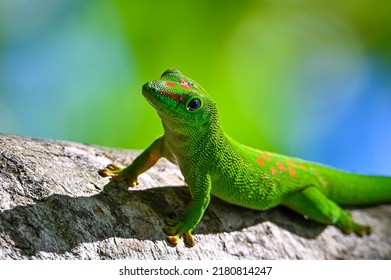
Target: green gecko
{"points": [[212, 163]]}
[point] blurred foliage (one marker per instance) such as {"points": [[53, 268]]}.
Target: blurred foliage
{"points": [[307, 78]]}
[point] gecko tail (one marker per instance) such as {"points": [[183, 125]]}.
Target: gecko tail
{"points": [[355, 190]]}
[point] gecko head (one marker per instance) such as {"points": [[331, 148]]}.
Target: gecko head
{"points": [[176, 97]]}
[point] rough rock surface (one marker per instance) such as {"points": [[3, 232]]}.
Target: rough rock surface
{"points": [[54, 205]]}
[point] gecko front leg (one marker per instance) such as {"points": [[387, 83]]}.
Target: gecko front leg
{"points": [[142, 163], [200, 193]]}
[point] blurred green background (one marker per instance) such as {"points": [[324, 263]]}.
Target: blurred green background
{"points": [[305, 78]]}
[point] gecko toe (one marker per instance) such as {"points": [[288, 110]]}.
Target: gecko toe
{"points": [[170, 230], [170, 222], [173, 240], [189, 240]]}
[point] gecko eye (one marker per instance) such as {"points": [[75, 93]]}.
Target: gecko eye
{"points": [[194, 104]]}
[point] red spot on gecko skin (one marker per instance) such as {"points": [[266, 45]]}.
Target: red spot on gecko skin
{"points": [[260, 161], [273, 170], [184, 84], [281, 166], [292, 172], [266, 157], [170, 84]]}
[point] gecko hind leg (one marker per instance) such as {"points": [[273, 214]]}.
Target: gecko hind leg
{"points": [[312, 203]]}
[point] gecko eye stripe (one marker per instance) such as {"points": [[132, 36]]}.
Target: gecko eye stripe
{"points": [[174, 96]]}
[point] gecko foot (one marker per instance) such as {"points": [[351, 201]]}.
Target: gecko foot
{"points": [[360, 230], [348, 225], [173, 230], [188, 238], [109, 170], [118, 174]]}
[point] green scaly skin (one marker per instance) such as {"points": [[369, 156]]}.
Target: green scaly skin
{"points": [[214, 164]]}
